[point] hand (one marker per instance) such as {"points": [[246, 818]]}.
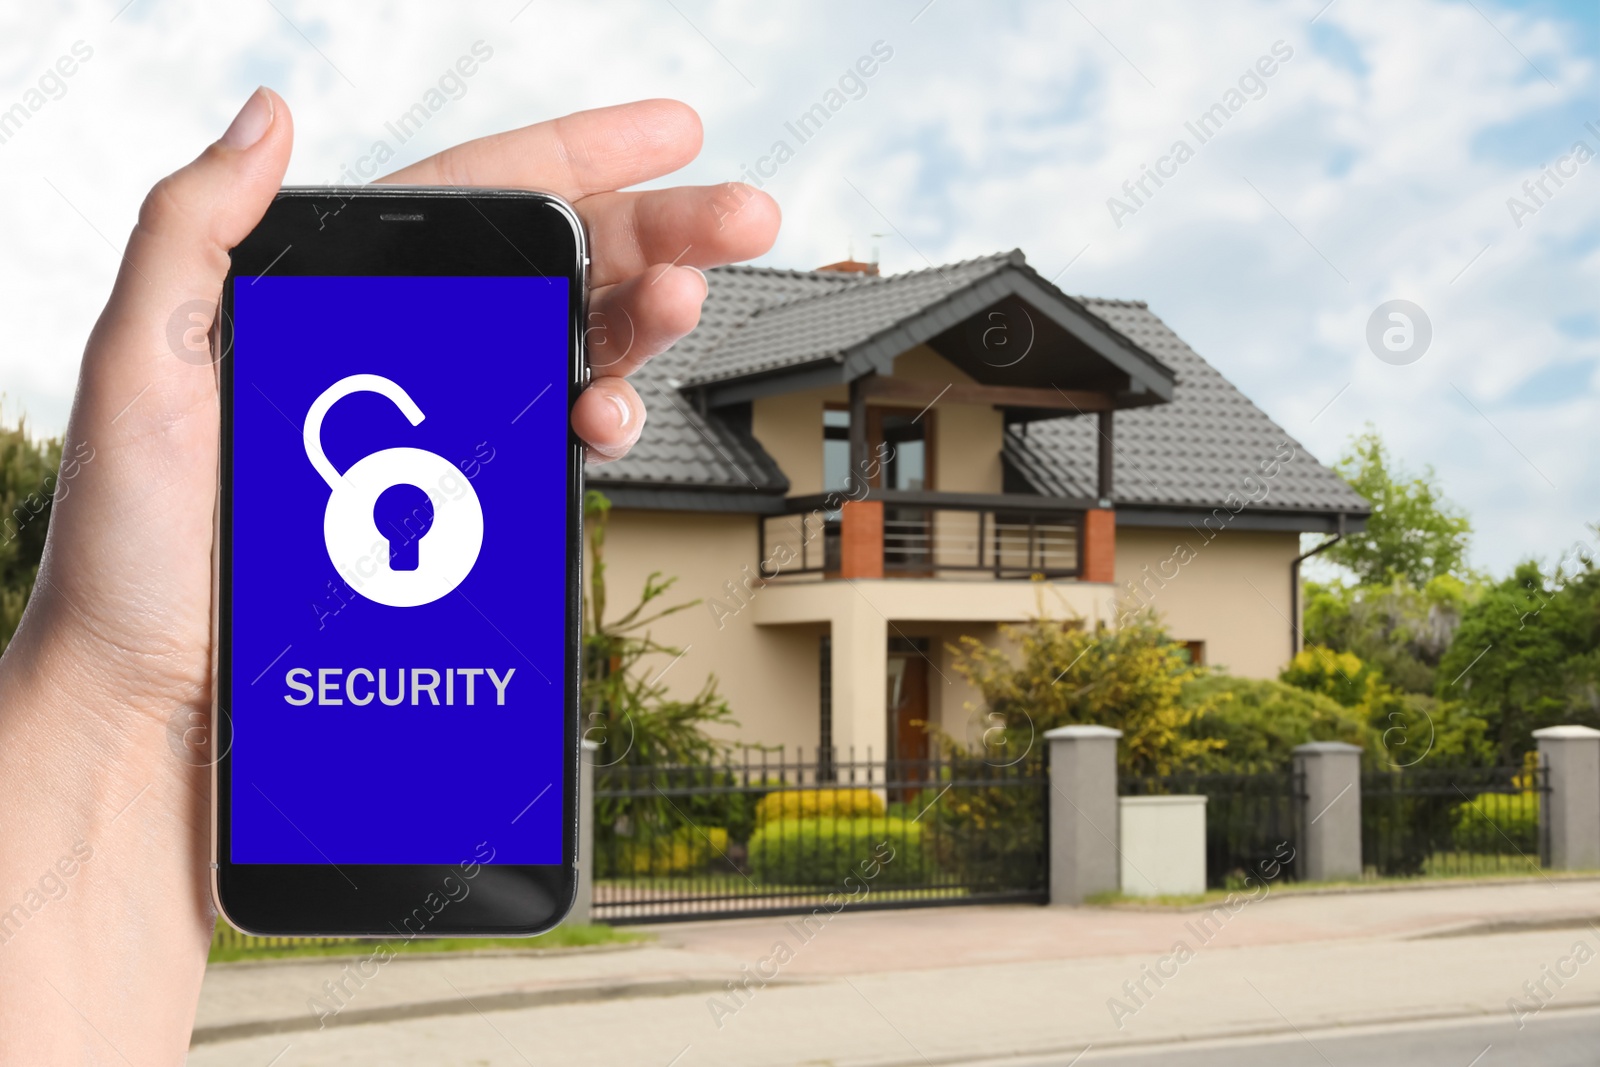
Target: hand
{"points": [[113, 654]]}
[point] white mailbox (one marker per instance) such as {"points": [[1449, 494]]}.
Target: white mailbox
{"points": [[1163, 845]]}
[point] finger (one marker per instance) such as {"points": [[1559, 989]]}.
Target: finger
{"points": [[608, 416], [700, 226], [642, 317], [133, 533], [583, 153]]}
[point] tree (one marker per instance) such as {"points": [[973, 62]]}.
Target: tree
{"points": [[28, 473], [1413, 534], [1527, 655], [1399, 629], [1130, 678], [626, 709], [1402, 728]]}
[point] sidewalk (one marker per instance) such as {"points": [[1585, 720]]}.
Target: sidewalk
{"points": [[941, 984]]}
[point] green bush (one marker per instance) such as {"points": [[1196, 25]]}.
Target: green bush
{"points": [[1259, 721], [1495, 822], [825, 851]]}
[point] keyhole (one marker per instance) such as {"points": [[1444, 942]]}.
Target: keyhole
{"points": [[403, 514]]}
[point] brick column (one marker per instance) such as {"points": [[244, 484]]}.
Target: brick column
{"points": [[1099, 545], [1084, 857], [861, 539], [1572, 808]]}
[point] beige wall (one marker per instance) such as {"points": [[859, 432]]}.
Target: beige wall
{"points": [[768, 674], [967, 437], [789, 427], [1232, 593]]}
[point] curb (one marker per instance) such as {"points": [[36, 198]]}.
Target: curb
{"points": [[477, 953], [512, 1001], [1355, 888]]}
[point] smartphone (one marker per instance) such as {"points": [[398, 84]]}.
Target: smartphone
{"points": [[397, 598]]}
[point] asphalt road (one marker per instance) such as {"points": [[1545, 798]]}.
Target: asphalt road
{"points": [[1552, 1039]]}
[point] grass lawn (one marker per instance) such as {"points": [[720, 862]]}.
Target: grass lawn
{"points": [[1516, 868], [227, 944]]}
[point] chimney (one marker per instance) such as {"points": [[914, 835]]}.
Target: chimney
{"points": [[851, 266]]}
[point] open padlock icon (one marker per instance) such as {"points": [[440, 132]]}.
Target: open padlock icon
{"points": [[358, 549]]}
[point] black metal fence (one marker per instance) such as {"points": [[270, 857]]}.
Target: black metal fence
{"points": [[1444, 821], [1252, 821], [768, 834]]}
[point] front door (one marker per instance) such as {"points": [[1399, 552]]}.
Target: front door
{"points": [[907, 701]]}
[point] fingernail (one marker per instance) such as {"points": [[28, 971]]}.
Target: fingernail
{"points": [[624, 412], [250, 123], [703, 280]]}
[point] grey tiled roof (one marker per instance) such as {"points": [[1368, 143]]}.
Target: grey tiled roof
{"points": [[824, 325], [679, 447], [1209, 441], [1193, 451]]}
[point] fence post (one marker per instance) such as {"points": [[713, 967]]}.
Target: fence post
{"points": [[1330, 822], [1573, 807], [583, 905], [1084, 857]]}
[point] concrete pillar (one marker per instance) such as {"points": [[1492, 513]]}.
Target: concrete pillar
{"points": [[1572, 807], [583, 906], [1330, 814], [1084, 856], [860, 670]]}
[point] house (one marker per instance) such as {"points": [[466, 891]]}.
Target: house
{"points": [[1001, 429]]}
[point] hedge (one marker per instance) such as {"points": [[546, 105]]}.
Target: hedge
{"points": [[826, 851], [1489, 820], [818, 804], [681, 852]]}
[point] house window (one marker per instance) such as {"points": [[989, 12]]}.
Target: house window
{"points": [[835, 449], [1196, 651], [907, 464]]}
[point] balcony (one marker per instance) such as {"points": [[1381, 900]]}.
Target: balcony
{"points": [[905, 534]]}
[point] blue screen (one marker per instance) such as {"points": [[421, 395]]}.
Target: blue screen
{"points": [[398, 614]]}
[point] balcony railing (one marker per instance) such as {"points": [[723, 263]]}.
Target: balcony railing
{"points": [[931, 535]]}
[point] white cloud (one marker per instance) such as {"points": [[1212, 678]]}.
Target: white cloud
{"points": [[992, 127]]}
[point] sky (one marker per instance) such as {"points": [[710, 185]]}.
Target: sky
{"points": [[1383, 158]]}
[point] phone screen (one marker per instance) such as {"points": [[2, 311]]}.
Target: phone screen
{"points": [[398, 569]]}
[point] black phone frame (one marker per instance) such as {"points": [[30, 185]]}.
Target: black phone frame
{"points": [[428, 231]]}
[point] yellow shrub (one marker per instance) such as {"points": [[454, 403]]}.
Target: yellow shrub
{"points": [[818, 804], [684, 851]]}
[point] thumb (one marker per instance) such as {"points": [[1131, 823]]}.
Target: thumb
{"points": [[130, 530], [177, 258]]}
